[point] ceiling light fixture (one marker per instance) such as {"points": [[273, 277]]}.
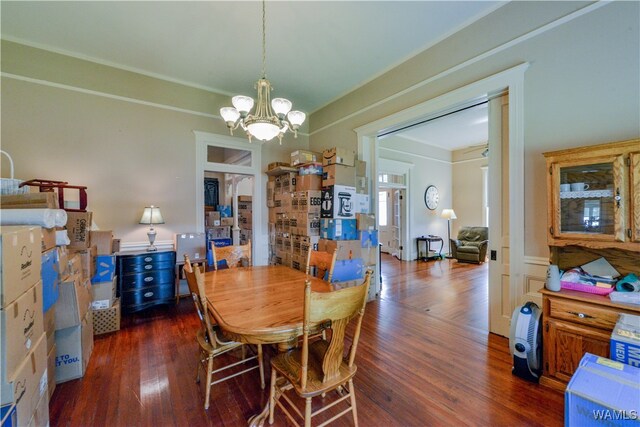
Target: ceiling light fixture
{"points": [[263, 125]]}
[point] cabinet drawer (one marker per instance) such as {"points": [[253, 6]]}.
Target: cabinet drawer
{"points": [[143, 280], [581, 313], [138, 265], [148, 295]]}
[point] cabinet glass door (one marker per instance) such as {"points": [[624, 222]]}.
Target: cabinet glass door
{"points": [[589, 200]]}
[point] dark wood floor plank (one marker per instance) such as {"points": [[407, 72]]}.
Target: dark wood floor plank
{"points": [[425, 358]]}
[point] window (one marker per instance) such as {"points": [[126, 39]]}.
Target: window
{"points": [[382, 208]]}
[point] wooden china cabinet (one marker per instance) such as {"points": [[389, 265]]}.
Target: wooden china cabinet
{"points": [[593, 211]]}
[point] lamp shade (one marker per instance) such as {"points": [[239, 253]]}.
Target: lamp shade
{"points": [[151, 215], [448, 214]]}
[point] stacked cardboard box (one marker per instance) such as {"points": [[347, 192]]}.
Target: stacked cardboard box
{"points": [[325, 206], [104, 305], [218, 225], [347, 226], [23, 346], [293, 199], [245, 218], [89, 257]]}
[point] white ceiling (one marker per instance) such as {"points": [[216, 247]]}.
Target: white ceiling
{"points": [[317, 51], [462, 129]]}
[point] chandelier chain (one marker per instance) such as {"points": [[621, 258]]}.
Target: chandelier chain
{"points": [[264, 42]]}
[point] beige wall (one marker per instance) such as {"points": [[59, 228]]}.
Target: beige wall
{"points": [[466, 180], [128, 154], [581, 87]]}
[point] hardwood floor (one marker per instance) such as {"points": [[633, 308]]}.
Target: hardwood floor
{"points": [[425, 358]]}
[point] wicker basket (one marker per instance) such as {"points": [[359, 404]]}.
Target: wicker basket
{"points": [[9, 186], [107, 320]]}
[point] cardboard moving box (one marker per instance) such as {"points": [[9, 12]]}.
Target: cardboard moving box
{"points": [[78, 224], [28, 384], [48, 239], [21, 324], [105, 269], [40, 415], [20, 261], [194, 245], [345, 249], [103, 240], [51, 369], [48, 200], [50, 278], [338, 175], [74, 302], [103, 294], [338, 201], [50, 327], [341, 156], [73, 349], [338, 229], [107, 320], [625, 340], [88, 261], [605, 387]]}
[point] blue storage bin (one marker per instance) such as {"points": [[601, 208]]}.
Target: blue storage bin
{"points": [[50, 279], [105, 269]]}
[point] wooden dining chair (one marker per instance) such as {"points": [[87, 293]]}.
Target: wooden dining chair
{"points": [[319, 366], [324, 263], [209, 341], [231, 255]]}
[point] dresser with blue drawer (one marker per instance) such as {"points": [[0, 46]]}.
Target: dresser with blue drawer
{"points": [[146, 279]]}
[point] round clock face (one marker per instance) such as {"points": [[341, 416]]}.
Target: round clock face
{"points": [[431, 197]]}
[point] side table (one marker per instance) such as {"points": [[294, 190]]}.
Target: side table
{"points": [[427, 243]]}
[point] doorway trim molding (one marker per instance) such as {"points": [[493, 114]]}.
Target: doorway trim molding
{"points": [[511, 79], [205, 139]]}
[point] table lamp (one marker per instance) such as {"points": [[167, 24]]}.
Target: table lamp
{"points": [[448, 214], [151, 216]]}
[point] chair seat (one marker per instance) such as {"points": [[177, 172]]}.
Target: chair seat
{"points": [[206, 346], [469, 249], [288, 365]]}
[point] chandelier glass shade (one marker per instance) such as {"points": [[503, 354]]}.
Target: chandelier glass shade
{"points": [[272, 117]]}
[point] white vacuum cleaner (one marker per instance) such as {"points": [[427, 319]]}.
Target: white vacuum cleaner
{"points": [[525, 341]]}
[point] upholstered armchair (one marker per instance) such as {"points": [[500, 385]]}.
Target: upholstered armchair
{"points": [[471, 244]]}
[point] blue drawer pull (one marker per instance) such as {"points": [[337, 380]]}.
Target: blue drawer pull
{"points": [[147, 259], [148, 266], [148, 279], [148, 294]]}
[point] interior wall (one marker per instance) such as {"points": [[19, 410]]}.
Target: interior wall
{"points": [[131, 143], [580, 89], [430, 166], [467, 187]]}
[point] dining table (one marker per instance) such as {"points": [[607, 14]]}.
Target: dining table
{"points": [[260, 305]]}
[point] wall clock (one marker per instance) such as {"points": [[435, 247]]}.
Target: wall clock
{"points": [[431, 197]]}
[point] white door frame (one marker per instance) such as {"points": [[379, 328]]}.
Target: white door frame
{"points": [[204, 139], [397, 167], [512, 80]]}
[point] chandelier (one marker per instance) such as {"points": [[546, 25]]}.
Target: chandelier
{"points": [[271, 117]]}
